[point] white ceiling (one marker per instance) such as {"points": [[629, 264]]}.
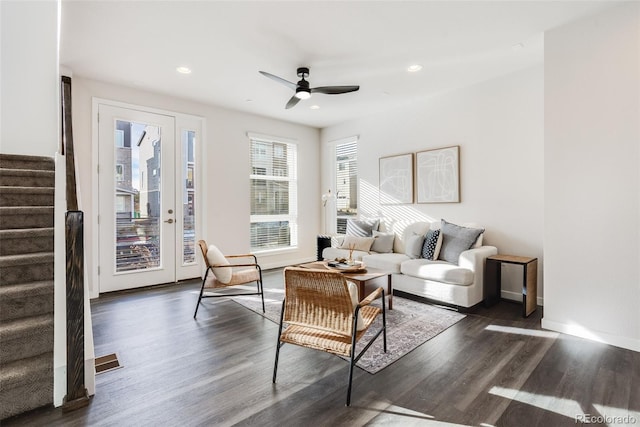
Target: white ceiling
{"points": [[364, 43]]}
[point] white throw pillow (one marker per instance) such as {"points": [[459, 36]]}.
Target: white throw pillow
{"points": [[413, 246], [215, 257], [353, 291], [383, 242], [358, 243]]}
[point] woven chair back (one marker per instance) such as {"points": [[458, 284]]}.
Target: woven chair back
{"points": [[318, 299]]}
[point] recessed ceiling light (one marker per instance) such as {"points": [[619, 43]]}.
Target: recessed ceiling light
{"points": [[414, 68], [517, 46], [315, 107], [184, 70]]}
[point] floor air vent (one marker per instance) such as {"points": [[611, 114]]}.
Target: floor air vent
{"points": [[107, 363]]}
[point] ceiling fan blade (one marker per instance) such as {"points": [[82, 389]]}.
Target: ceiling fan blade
{"points": [[292, 102], [334, 90], [279, 80]]}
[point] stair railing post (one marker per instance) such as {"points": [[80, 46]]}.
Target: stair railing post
{"points": [[77, 395]]}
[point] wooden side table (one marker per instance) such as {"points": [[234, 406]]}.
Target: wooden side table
{"points": [[493, 276]]}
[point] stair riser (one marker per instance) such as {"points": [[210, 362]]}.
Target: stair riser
{"points": [[15, 246], [33, 343], [39, 220], [27, 181], [26, 199], [29, 305], [32, 393], [26, 273], [22, 163]]}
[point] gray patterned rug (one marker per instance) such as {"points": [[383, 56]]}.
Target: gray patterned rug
{"points": [[409, 325]]}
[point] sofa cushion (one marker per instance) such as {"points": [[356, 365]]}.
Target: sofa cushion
{"points": [[357, 243], [431, 245], [361, 227], [383, 242], [455, 240], [413, 245], [389, 262], [439, 271]]}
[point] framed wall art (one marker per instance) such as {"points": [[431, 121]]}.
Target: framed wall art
{"points": [[396, 179], [438, 175]]}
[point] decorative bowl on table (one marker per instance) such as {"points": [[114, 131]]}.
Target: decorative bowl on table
{"points": [[346, 267]]}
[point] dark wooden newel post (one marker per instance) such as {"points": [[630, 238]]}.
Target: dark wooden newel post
{"points": [[77, 395]]}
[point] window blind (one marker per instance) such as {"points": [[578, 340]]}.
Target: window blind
{"points": [[346, 183], [273, 194]]}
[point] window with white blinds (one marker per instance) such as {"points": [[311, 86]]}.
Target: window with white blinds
{"points": [[274, 194], [346, 182]]}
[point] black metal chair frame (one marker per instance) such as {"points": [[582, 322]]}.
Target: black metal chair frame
{"points": [[354, 359], [259, 285]]}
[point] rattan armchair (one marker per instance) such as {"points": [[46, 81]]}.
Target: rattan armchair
{"points": [[243, 270], [320, 314]]}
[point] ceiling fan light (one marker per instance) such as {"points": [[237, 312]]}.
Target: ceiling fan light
{"points": [[303, 94]]}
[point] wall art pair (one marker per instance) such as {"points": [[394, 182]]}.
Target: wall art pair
{"points": [[437, 177]]}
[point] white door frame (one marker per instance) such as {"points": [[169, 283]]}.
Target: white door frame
{"points": [[182, 121]]}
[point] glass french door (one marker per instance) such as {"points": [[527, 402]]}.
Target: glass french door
{"points": [[147, 199]]}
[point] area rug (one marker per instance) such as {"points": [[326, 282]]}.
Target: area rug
{"points": [[409, 325]]}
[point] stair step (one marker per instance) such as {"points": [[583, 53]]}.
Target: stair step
{"points": [[26, 384], [26, 299], [27, 177], [26, 241], [27, 196], [26, 268], [13, 217], [19, 161], [26, 337]]}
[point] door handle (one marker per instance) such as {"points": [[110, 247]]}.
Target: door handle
{"points": [[170, 221]]}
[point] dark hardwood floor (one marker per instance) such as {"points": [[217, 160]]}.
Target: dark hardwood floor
{"points": [[493, 368]]}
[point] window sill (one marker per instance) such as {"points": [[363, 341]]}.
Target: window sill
{"points": [[271, 252]]}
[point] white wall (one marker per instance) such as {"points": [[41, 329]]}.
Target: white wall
{"points": [[29, 79], [226, 168], [499, 128], [592, 179]]}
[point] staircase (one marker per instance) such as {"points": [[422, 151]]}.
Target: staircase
{"points": [[26, 283]]}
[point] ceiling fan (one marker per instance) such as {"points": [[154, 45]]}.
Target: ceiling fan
{"points": [[303, 91]]}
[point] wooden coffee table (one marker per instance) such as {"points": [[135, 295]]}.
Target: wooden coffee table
{"points": [[359, 278]]}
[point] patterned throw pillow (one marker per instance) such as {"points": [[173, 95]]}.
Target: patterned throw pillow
{"points": [[430, 245], [362, 227]]}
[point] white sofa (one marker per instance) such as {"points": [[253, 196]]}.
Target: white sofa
{"points": [[459, 285]]}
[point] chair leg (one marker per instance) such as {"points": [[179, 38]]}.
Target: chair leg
{"points": [[275, 366], [201, 293], [261, 289], [384, 324], [352, 361]]}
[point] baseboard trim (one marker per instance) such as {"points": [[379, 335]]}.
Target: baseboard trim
{"points": [[516, 296], [602, 337], [279, 264]]}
